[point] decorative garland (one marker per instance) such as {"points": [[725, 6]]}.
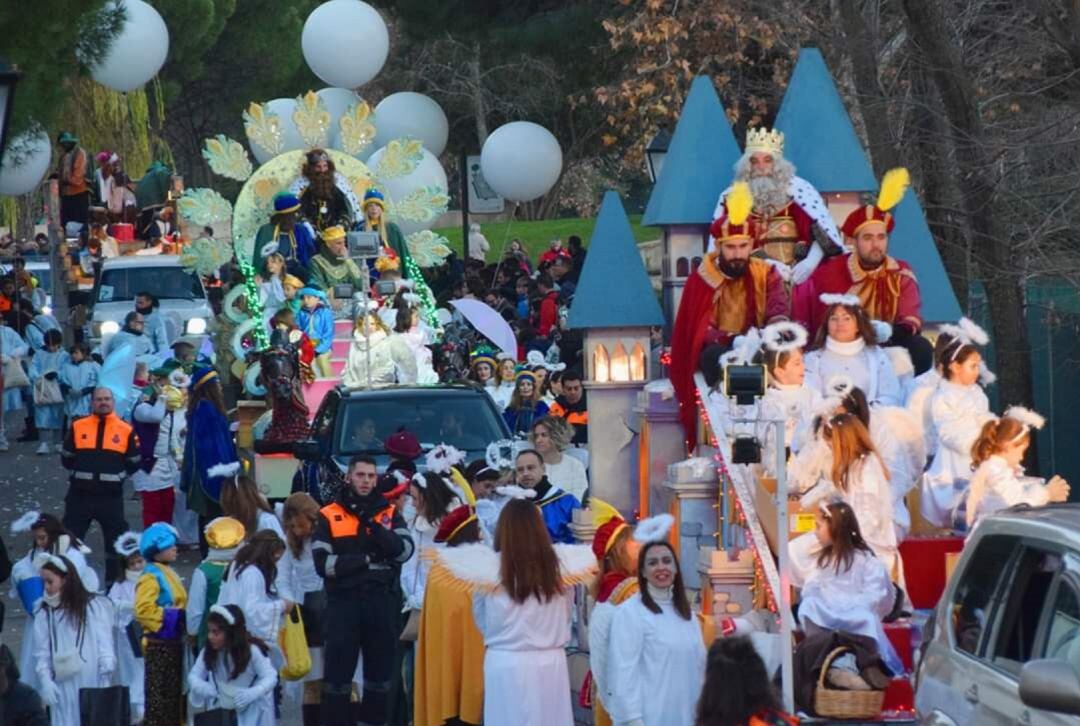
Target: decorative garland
{"points": [[427, 302], [254, 303]]}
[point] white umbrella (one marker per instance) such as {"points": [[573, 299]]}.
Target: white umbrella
{"points": [[489, 324]]}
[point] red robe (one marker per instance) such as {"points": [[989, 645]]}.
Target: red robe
{"points": [[798, 230], [714, 309], [890, 293]]}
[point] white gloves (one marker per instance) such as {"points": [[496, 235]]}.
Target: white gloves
{"points": [[49, 692], [802, 270], [243, 698]]}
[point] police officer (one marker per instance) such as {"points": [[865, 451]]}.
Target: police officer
{"points": [[359, 545], [100, 451]]}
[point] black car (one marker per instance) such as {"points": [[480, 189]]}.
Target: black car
{"points": [[353, 422]]}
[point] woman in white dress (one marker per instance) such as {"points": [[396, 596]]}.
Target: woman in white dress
{"points": [[847, 345], [391, 360], [249, 582], [848, 588], [50, 537], [432, 500], [131, 669], [73, 640], [958, 408], [525, 621], [656, 655], [233, 671], [999, 481], [551, 437], [416, 334]]}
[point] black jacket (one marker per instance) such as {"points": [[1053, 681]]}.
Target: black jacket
{"points": [[360, 543]]}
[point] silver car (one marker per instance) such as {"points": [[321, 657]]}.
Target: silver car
{"points": [[1003, 644]]}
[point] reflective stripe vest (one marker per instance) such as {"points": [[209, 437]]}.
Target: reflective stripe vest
{"points": [[101, 450]]}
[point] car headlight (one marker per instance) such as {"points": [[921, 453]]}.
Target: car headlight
{"points": [[196, 326], [109, 327]]}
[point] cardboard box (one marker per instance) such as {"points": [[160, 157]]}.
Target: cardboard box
{"points": [[800, 519]]}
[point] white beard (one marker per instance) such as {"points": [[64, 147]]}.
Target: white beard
{"points": [[770, 193]]}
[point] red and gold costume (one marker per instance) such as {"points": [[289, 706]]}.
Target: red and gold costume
{"points": [[783, 235]]}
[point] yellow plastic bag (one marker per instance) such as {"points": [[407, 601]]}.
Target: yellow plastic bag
{"points": [[294, 647]]}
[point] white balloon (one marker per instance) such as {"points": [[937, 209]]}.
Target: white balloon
{"points": [[521, 161], [338, 101], [428, 173], [410, 114], [290, 137], [138, 52], [345, 42], [26, 161]]}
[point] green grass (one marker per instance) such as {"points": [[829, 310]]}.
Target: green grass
{"points": [[536, 236]]}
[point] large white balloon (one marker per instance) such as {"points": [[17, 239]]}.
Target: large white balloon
{"points": [[338, 101], [345, 42], [290, 137], [138, 52], [428, 173], [26, 161], [521, 161], [414, 115]]}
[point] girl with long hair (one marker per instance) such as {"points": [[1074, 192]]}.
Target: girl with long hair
{"points": [[505, 370], [738, 690], [233, 671], [249, 582], [617, 552], [525, 622], [958, 409], [432, 499], [242, 500], [391, 360], [551, 436], [848, 588], [50, 537], [410, 327], [847, 344], [131, 670], [999, 481], [272, 284], [525, 406], [209, 451], [656, 656], [73, 640]]}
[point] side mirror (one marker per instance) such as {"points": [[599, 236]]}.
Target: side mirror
{"points": [[1050, 685], [307, 450]]}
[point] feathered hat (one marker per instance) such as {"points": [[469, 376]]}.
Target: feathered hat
{"points": [[609, 525], [784, 336], [387, 260], [442, 458], [454, 522], [893, 185], [654, 529], [737, 206]]}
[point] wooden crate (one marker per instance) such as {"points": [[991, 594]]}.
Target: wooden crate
{"points": [[800, 519]]}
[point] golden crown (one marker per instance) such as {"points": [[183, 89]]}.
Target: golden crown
{"points": [[762, 139]]}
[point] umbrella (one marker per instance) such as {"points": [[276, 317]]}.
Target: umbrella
{"points": [[488, 323]]}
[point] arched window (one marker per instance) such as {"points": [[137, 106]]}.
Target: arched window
{"points": [[601, 364], [620, 364], [682, 267], [697, 262], [637, 363]]}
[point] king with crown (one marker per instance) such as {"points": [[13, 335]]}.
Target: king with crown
{"points": [[789, 223]]}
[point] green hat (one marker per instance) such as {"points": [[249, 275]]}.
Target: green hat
{"points": [[67, 138], [165, 368]]}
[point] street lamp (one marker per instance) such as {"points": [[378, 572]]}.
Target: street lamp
{"points": [[8, 78], [655, 153]]}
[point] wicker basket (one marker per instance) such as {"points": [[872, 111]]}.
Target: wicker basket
{"points": [[835, 703]]}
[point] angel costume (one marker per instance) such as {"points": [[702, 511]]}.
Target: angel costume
{"points": [[298, 582], [615, 589], [247, 590], [958, 413], [414, 573], [79, 377], [217, 689], [70, 656], [995, 486], [656, 665], [526, 681], [131, 669], [418, 338], [853, 600], [391, 360], [868, 367]]}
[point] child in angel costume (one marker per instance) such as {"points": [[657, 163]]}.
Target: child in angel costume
{"points": [[416, 334], [999, 481], [376, 351], [131, 670], [522, 602], [959, 408]]}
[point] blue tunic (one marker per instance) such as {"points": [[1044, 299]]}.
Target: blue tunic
{"points": [[558, 508], [318, 324], [520, 420], [49, 416], [78, 376], [11, 344]]}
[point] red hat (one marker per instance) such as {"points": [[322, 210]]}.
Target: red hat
{"points": [[864, 216], [605, 536], [733, 223], [893, 185], [403, 444], [454, 522]]}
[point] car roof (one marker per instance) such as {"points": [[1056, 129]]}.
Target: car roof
{"points": [[456, 389], [1060, 522], [126, 261]]}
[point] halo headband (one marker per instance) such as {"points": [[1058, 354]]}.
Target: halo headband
{"points": [[224, 612]]}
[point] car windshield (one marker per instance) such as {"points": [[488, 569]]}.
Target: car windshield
{"points": [[167, 283], [466, 422]]}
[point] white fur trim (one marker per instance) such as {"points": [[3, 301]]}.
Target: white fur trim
{"points": [[502, 355], [986, 376], [827, 406], [1026, 416], [223, 612], [442, 457], [223, 470], [515, 492], [25, 522], [901, 360], [411, 298], [44, 558], [882, 330], [784, 336], [475, 563], [827, 298], [575, 560], [127, 544], [973, 332], [535, 358], [840, 385], [654, 528], [494, 455], [180, 379]]}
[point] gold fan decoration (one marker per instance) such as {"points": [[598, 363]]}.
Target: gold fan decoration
{"points": [[312, 120], [427, 248], [400, 158], [263, 127], [227, 157], [203, 206], [357, 131], [421, 205]]}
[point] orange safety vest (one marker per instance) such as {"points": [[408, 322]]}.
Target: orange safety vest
{"points": [[117, 431], [344, 523]]}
